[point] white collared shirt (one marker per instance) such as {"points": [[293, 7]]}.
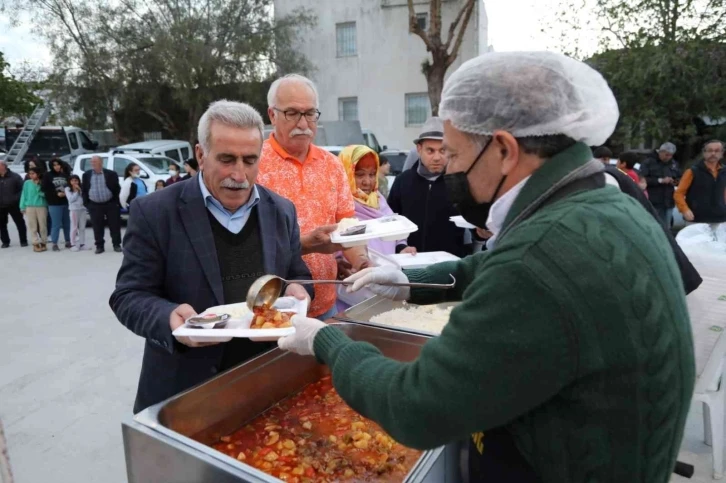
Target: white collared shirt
{"points": [[500, 209], [233, 222]]}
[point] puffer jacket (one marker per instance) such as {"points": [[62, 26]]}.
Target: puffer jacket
{"points": [[11, 186]]}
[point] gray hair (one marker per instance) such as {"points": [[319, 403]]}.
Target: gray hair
{"points": [[272, 93], [542, 146], [229, 113], [668, 148], [4, 161], [712, 141]]}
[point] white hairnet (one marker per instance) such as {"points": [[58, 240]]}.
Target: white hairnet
{"points": [[530, 94]]}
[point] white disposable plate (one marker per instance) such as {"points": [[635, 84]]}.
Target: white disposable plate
{"points": [[379, 260], [422, 260], [461, 222], [239, 324], [388, 228]]}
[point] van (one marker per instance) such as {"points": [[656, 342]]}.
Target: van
{"points": [[177, 150], [64, 142]]}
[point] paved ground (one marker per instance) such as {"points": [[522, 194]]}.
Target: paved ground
{"points": [[68, 370]]}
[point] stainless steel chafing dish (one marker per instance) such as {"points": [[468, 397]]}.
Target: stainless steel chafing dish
{"points": [[168, 441], [363, 312]]}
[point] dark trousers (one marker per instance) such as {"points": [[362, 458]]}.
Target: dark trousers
{"points": [[14, 212], [102, 213]]}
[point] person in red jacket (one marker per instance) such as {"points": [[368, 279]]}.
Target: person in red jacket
{"points": [[626, 164]]}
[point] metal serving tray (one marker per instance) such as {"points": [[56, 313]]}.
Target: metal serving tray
{"points": [[364, 311], [169, 441]]}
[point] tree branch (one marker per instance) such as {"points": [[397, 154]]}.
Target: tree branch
{"points": [[415, 29], [451, 56], [452, 27]]}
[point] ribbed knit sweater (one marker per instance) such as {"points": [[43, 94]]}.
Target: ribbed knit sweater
{"points": [[573, 334]]}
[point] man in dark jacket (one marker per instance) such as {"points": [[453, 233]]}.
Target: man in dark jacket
{"points": [[100, 189], [661, 173], [701, 194], [202, 243], [690, 276], [11, 186], [420, 195]]}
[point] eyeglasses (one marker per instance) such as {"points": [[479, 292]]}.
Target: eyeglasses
{"points": [[292, 115]]}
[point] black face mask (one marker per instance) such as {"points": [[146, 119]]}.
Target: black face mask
{"points": [[457, 185]]}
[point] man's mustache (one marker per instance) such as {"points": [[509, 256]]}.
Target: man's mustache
{"points": [[230, 183], [301, 132]]}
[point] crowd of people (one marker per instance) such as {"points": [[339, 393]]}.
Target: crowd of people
{"points": [[564, 238], [46, 203], [577, 388], [699, 193]]}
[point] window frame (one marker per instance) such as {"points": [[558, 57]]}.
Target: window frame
{"points": [[88, 144], [124, 158], [175, 156], [425, 17], [407, 108], [341, 108], [73, 140], [340, 52]]}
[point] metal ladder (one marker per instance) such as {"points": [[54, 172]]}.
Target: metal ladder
{"points": [[22, 143]]}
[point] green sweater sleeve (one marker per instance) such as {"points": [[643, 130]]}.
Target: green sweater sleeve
{"points": [[491, 363], [24, 196], [463, 271]]}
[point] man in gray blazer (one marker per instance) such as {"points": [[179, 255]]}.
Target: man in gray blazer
{"points": [[199, 244]]}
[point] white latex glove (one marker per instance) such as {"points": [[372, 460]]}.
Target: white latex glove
{"points": [[371, 278], [301, 342]]}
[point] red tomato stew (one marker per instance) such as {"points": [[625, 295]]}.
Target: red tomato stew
{"points": [[269, 318], [315, 437]]}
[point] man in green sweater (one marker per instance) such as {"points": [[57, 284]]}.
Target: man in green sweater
{"points": [[569, 358]]}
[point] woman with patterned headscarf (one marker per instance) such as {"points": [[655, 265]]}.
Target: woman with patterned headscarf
{"points": [[361, 166]]}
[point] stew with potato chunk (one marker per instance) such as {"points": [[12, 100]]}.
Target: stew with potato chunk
{"points": [[266, 317], [315, 437]]}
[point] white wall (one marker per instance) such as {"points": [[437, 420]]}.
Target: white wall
{"points": [[388, 64]]}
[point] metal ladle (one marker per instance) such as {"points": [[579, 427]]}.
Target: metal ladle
{"points": [[267, 289]]}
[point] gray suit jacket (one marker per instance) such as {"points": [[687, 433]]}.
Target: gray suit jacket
{"points": [[170, 259]]}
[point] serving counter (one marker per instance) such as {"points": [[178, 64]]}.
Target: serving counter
{"points": [[170, 441]]}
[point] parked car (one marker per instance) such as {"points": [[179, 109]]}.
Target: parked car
{"points": [[333, 149], [154, 167], [177, 150], [396, 158]]}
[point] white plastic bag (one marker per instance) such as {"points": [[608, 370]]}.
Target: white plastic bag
{"points": [[720, 232], [695, 234]]}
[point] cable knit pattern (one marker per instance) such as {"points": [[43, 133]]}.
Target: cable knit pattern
{"points": [[573, 334]]}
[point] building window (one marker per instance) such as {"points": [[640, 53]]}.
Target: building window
{"points": [[418, 108], [423, 20], [347, 43], [348, 109]]}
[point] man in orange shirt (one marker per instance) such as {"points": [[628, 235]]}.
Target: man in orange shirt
{"points": [[313, 179], [700, 196]]}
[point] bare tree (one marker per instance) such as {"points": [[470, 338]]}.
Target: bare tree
{"points": [[443, 53], [164, 58]]}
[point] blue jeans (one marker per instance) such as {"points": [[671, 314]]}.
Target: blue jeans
{"points": [[665, 215], [60, 218], [329, 314]]}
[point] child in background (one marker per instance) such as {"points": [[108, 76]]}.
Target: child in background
{"points": [[159, 185], [626, 164], [78, 214], [35, 208]]}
